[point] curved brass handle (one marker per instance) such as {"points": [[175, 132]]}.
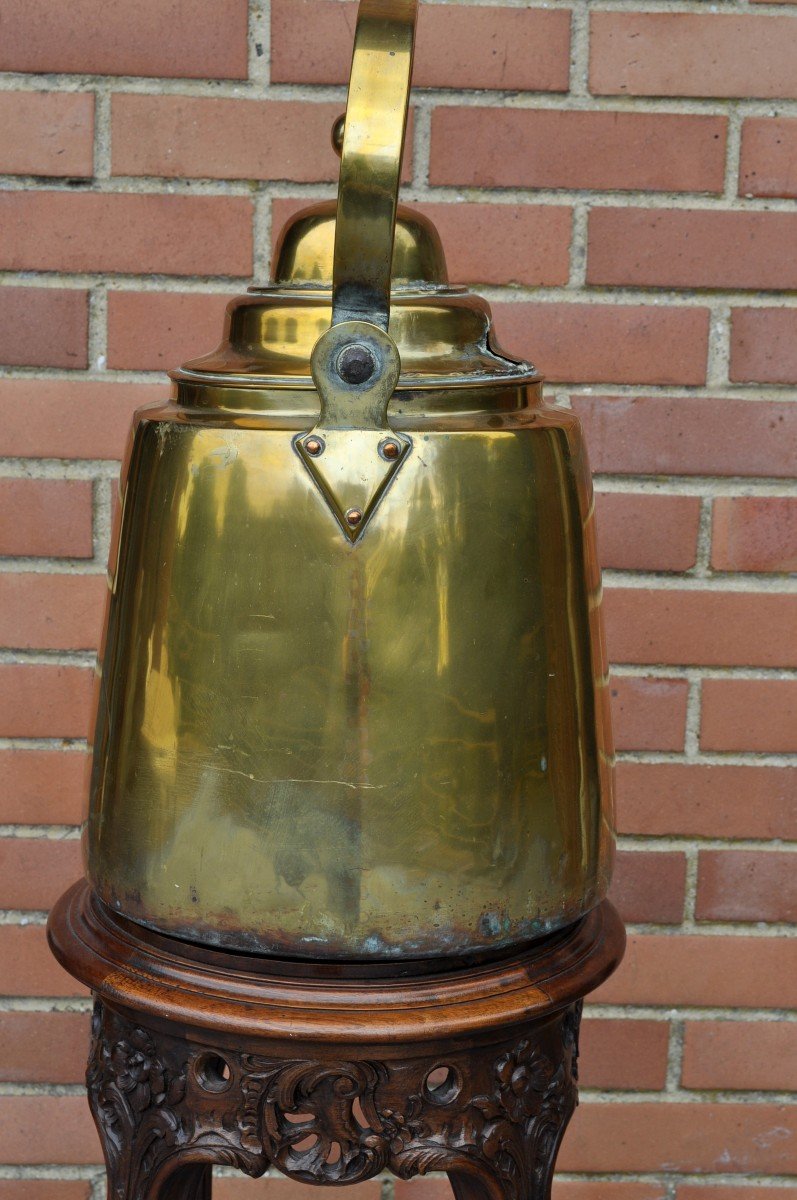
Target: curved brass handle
{"points": [[370, 169]]}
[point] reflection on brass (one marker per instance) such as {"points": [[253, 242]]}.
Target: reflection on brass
{"points": [[386, 739], [338, 131]]}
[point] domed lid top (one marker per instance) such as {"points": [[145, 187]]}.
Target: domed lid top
{"points": [[443, 333], [305, 249]]}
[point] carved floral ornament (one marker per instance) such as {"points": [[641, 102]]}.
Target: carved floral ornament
{"points": [[497, 1114]]}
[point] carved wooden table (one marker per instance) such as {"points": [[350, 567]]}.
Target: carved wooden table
{"points": [[201, 1057]]}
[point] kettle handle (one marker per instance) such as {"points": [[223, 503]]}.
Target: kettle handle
{"points": [[352, 452], [370, 169]]}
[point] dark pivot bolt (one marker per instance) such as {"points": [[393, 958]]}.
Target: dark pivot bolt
{"points": [[314, 446], [353, 517], [356, 364], [390, 449]]}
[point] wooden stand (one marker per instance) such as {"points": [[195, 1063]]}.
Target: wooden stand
{"points": [[330, 1073]]}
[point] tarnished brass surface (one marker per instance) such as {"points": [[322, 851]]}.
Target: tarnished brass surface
{"points": [[335, 718]]}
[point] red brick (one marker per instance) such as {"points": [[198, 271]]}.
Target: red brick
{"points": [[34, 872], [692, 248], [46, 133], [706, 801], [704, 972], [758, 715], [731, 1138], [46, 517], [218, 138], [607, 343], [763, 344], [43, 327], [56, 418], [504, 243], [768, 164], [238, 1187], [543, 148], [437, 1187], [431, 1187], [710, 628], [740, 1055], [644, 532], [700, 1192], [746, 885], [191, 39], [477, 47], [630, 1054], [158, 332], [84, 231], [648, 886], [44, 701], [648, 714], [754, 533], [596, 1189], [692, 54], [43, 1047], [45, 1189], [662, 436], [41, 787], [27, 968], [47, 1129], [52, 612]]}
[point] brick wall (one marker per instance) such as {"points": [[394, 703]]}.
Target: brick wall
{"points": [[618, 176]]}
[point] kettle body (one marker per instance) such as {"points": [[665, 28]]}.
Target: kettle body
{"points": [[398, 748], [352, 699]]}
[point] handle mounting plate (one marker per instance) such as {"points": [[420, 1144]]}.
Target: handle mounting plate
{"points": [[352, 453]]}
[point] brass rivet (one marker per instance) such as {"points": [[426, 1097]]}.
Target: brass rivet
{"points": [[313, 446], [353, 517], [338, 130], [356, 364], [390, 449]]}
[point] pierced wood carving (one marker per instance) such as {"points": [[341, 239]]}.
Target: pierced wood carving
{"points": [[491, 1115]]}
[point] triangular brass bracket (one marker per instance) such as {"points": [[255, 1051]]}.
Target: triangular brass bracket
{"points": [[352, 453]]}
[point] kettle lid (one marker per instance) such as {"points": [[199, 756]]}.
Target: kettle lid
{"points": [[443, 333]]}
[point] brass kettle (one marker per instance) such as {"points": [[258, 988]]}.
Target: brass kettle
{"points": [[352, 699]]}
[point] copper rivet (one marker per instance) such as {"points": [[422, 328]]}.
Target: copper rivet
{"points": [[354, 516], [390, 449], [313, 446]]}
